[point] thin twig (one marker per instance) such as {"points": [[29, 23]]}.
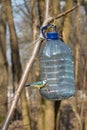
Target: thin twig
{"points": [[78, 2], [47, 8], [50, 19], [77, 115], [65, 13]]}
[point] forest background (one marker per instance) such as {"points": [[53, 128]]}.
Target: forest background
{"points": [[20, 23]]}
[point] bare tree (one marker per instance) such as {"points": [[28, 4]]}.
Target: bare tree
{"points": [[3, 63], [16, 65], [67, 22]]}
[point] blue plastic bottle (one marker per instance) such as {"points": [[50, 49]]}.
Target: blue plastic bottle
{"points": [[56, 67]]}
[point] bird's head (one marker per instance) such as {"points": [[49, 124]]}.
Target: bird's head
{"points": [[44, 82]]}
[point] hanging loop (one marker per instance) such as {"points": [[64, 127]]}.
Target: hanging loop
{"points": [[46, 27]]}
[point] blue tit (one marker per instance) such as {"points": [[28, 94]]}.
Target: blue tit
{"points": [[38, 84]]}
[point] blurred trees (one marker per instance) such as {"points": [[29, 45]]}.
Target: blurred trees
{"points": [[3, 63], [16, 65], [15, 58], [38, 112], [6, 16], [67, 22]]}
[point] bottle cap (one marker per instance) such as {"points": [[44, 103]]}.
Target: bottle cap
{"points": [[52, 35]]}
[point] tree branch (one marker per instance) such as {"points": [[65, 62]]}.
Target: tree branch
{"points": [[50, 19], [47, 8], [21, 84], [66, 12], [78, 2]]}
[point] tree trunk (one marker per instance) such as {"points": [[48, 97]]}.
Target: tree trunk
{"points": [[34, 102], [35, 19], [55, 11], [67, 27], [41, 8], [16, 65], [3, 64], [49, 115], [67, 22], [25, 112]]}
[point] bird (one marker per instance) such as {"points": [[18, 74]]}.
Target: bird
{"points": [[39, 84]]}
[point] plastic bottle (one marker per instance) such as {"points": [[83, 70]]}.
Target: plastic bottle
{"points": [[56, 67]]}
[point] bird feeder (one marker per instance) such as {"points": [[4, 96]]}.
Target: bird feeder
{"points": [[56, 66]]}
